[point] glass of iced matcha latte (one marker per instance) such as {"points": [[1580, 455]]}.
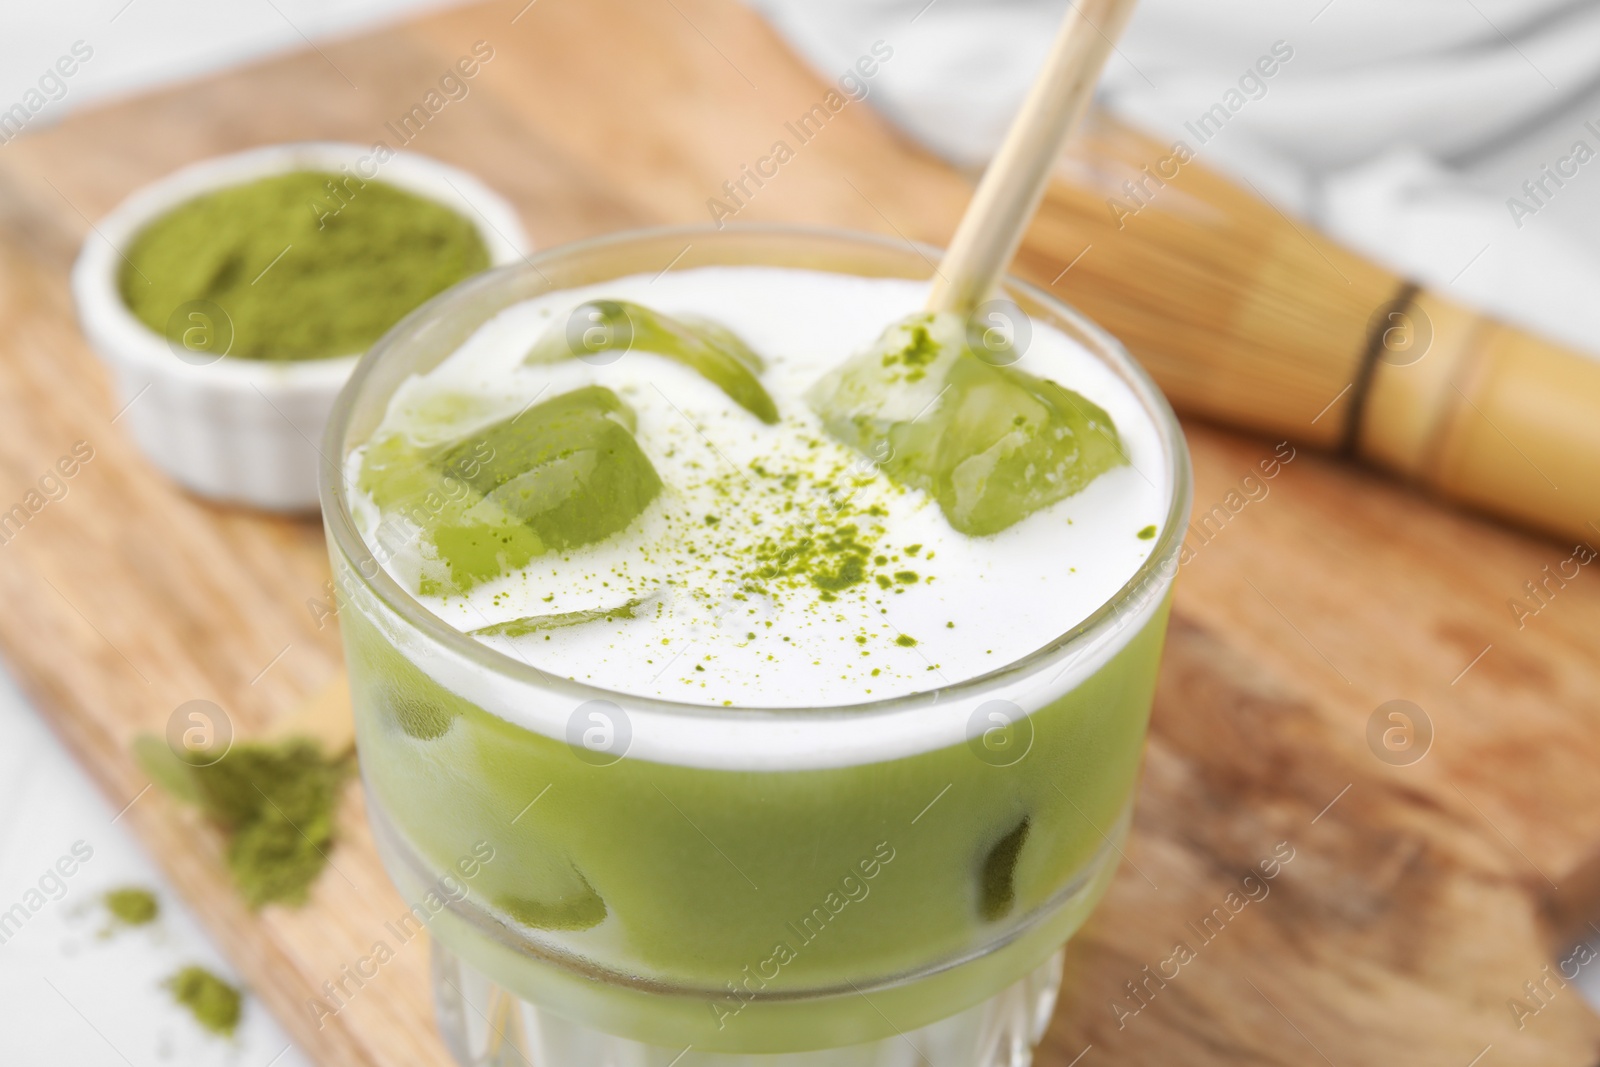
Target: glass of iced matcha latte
{"points": [[749, 668]]}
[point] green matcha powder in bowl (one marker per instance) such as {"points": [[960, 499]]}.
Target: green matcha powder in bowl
{"points": [[232, 299]]}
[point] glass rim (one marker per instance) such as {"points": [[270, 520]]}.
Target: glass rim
{"points": [[340, 526]]}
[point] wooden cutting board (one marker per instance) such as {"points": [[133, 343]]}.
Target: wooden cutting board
{"points": [[1420, 898]]}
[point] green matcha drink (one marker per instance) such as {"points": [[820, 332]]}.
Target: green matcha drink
{"points": [[789, 651]]}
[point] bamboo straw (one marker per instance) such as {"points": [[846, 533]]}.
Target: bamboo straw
{"points": [[1248, 318], [1009, 193]]}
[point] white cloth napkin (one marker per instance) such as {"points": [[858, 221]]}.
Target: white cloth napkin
{"points": [[1406, 130]]}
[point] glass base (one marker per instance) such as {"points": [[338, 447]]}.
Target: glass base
{"points": [[486, 1026]]}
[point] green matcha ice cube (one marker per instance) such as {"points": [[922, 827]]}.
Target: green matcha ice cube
{"points": [[558, 475], [997, 879], [410, 708], [569, 468], [529, 624], [991, 444], [578, 910], [710, 349]]}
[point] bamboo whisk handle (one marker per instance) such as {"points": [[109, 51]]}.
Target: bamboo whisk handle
{"points": [[1247, 318], [1488, 416]]}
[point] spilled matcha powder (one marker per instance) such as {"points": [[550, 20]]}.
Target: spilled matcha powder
{"points": [[306, 265], [214, 1003], [275, 802], [132, 905]]}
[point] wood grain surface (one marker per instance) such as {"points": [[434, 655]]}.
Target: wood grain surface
{"points": [[1420, 898]]}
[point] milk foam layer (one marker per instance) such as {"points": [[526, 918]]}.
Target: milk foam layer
{"points": [[936, 607]]}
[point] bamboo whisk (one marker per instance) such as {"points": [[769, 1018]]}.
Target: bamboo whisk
{"points": [[1248, 319]]}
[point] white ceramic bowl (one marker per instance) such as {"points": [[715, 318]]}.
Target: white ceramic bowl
{"points": [[238, 430]]}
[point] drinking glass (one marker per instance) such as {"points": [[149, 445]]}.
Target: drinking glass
{"points": [[616, 879]]}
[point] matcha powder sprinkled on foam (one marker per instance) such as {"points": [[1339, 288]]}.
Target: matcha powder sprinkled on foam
{"points": [[214, 1003], [305, 265]]}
